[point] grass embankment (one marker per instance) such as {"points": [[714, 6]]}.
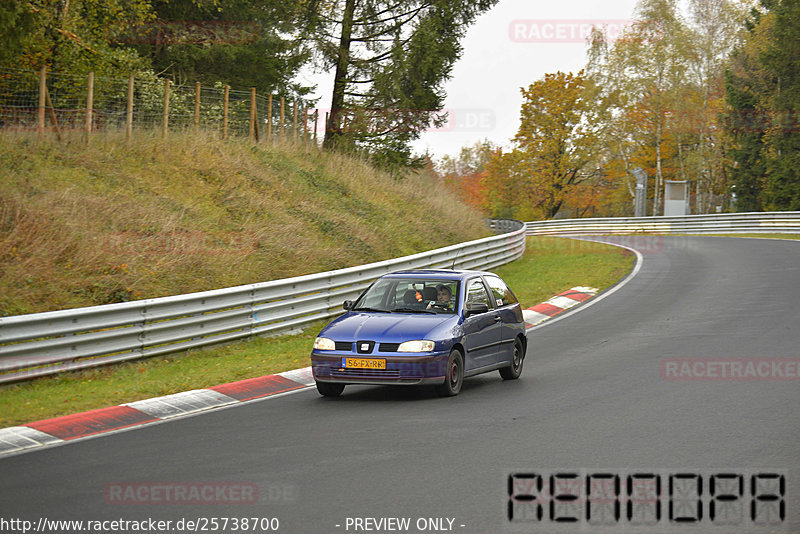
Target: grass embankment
{"points": [[550, 266], [111, 222]]}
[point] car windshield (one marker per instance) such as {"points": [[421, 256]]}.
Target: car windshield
{"points": [[410, 295]]}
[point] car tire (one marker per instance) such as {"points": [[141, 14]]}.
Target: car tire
{"points": [[454, 375], [513, 371], [330, 389]]}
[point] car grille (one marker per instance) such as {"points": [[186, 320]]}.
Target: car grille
{"points": [[362, 373], [347, 346]]}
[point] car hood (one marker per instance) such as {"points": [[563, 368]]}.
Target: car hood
{"points": [[386, 327]]}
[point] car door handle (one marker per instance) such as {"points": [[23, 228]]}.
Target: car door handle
{"points": [[497, 318]]}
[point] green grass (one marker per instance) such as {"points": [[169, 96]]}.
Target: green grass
{"points": [[114, 222], [127, 382], [553, 264], [550, 265]]}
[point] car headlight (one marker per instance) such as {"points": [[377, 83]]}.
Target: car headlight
{"points": [[323, 343], [418, 345]]}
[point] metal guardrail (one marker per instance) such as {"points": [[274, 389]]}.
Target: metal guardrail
{"points": [[724, 223], [46, 343]]}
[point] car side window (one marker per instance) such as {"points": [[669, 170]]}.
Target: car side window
{"points": [[476, 293], [500, 292]]}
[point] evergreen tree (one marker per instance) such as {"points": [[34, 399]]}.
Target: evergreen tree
{"points": [[391, 58], [747, 133], [241, 43], [763, 92], [781, 59]]}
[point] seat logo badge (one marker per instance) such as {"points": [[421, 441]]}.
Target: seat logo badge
{"points": [[365, 346]]}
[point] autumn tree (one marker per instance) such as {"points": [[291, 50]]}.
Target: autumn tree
{"points": [[713, 30], [554, 147], [663, 90], [465, 174], [641, 69]]}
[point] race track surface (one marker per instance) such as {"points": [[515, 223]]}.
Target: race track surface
{"points": [[599, 394]]}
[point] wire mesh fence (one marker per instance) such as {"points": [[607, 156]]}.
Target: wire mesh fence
{"points": [[57, 102]]}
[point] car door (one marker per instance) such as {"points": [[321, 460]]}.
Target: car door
{"points": [[482, 331], [510, 313]]}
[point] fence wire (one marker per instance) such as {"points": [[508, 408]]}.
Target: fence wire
{"points": [[188, 108]]}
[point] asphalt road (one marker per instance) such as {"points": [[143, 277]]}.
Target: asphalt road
{"points": [[595, 397]]}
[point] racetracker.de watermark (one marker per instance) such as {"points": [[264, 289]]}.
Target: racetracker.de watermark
{"points": [[467, 120], [203, 493], [564, 31], [780, 369]]}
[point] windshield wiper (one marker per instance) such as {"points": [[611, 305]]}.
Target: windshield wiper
{"points": [[413, 310], [369, 310]]}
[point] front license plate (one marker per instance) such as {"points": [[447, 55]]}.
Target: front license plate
{"points": [[363, 363]]}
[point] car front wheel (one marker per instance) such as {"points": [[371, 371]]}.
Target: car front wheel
{"points": [[454, 375], [513, 371], [330, 389]]}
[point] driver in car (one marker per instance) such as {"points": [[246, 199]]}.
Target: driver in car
{"points": [[443, 298]]}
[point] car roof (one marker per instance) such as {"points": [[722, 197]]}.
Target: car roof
{"points": [[448, 274]]}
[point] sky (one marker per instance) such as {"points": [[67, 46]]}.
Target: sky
{"points": [[507, 48]]}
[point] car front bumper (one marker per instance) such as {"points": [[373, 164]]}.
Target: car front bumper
{"points": [[412, 369]]}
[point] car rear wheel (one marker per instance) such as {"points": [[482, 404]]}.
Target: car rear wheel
{"points": [[513, 371], [330, 389], [454, 375]]}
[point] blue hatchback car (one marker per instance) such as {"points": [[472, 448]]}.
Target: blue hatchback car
{"points": [[423, 327]]}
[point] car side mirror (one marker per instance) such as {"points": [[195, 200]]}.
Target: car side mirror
{"points": [[476, 308], [346, 305]]}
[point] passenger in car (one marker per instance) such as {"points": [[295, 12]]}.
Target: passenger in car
{"points": [[411, 296]]}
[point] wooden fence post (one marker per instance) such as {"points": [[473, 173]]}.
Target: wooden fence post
{"points": [[269, 118], [282, 117], [197, 90], [225, 113], [42, 96], [89, 105], [316, 120], [165, 126], [252, 114], [129, 111], [257, 121], [294, 120]]}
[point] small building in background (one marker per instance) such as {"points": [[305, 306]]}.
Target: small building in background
{"points": [[676, 197]]}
